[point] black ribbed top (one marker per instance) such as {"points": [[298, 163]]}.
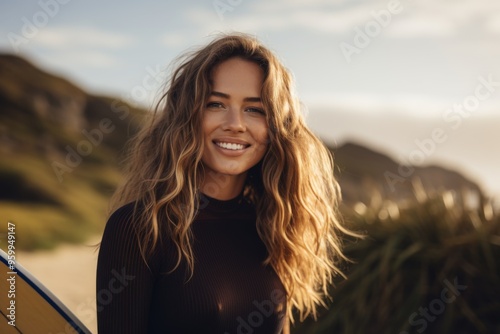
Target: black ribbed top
{"points": [[231, 291]]}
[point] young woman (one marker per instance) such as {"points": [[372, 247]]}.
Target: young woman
{"points": [[227, 221]]}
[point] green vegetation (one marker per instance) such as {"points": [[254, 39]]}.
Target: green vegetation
{"points": [[47, 212], [430, 266], [49, 193]]}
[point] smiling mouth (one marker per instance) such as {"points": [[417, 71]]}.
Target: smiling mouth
{"points": [[231, 146]]}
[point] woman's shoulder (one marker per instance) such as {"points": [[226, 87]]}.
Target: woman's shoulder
{"points": [[124, 217], [123, 211]]}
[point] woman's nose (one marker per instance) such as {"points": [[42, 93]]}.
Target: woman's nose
{"points": [[234, 120]]}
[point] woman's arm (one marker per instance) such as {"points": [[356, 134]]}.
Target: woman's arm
{"points": [[124, 282]]}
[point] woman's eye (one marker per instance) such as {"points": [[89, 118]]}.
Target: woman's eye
{"points": [[256, 110], [215, 105]]}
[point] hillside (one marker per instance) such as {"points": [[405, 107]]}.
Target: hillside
{"points": [[363, 172], [470, 148], [61, 148]]}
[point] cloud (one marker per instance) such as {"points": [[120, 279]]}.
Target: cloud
{"points": [[429, 18], [333, 21], [206, 19], [422, 106], [82, 59], [173, 39], [281, 5], [421, 27], [281, 15], [81, 37], [82, 47], [423, 18], [338, 21], [492, 25]]}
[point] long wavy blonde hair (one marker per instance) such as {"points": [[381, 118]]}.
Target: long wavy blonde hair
{"points": [[293, 187]]}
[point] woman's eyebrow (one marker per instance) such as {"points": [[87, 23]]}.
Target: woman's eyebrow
{"points": [[227, 96]]}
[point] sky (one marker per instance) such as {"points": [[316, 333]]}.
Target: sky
{"points": [[413, 55], [416, 58]]}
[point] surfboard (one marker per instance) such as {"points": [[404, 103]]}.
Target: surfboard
{"points": [[28, 307]]}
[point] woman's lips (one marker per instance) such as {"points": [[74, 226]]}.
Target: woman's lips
{"points": [[230, 146]]}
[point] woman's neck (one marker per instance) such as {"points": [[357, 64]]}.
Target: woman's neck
{"points": [[223, 186]]}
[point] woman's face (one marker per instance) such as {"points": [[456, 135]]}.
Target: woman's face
{"points": [[234, 123]]}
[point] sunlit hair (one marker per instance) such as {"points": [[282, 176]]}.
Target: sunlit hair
{"points": [[293, 187]]}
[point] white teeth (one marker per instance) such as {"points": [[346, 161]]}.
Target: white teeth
{"points": [[230, 146]]}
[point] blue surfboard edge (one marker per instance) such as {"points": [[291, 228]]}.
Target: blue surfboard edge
{"points": [[43, 291]]}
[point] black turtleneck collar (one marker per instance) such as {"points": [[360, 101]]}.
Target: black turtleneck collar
{"points": [[211, 207]]}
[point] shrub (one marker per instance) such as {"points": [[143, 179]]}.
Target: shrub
{"points": [[431, 266]]}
